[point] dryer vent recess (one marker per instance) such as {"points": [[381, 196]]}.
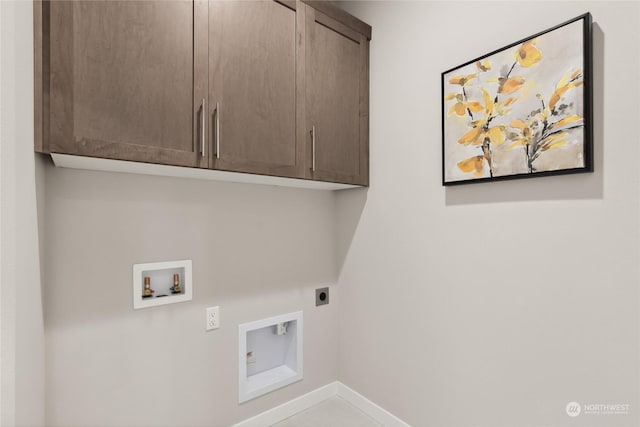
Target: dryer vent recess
{"points": [[322, 296]]}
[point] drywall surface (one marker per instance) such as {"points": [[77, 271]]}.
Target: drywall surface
{"points": [[491, 304], [22, 332], [257, 251]]}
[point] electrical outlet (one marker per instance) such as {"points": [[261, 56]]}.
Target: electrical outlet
{"points": [[213, 318], [322, 296]]}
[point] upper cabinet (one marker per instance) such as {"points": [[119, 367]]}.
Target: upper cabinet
{"points": [[252, 86], [121, 81], [337, 99], [276, 88]]}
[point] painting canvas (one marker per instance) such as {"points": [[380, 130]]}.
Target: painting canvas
{"points": [[521, 111]]}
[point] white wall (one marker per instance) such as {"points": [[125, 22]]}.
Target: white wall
{"points": [[257, 251], [491, 304], [444, 319], [22, 331]]}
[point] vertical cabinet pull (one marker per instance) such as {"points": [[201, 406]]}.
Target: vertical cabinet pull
{"points": [[217, 130], [203, 123], [313, 148]]}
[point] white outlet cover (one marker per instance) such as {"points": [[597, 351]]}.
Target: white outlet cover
{"points": [[213, 318]]}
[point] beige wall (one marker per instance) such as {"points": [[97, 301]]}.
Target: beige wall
{"points": [[22, 331], [491, 304], [257, 251], [441, 320]]}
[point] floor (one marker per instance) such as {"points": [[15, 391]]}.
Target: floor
{"points": [[333, 412]]}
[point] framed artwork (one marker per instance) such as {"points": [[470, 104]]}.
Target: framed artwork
{"points": [[521, 111]]}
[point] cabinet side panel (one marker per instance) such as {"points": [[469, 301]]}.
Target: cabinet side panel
{"points": [[41, 74], [364, 112]]}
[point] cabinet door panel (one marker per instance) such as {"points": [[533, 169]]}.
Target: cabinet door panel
{"points": [[122, 81], [336, 99], [252, 71]]}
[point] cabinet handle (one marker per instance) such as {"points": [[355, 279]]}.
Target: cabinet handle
{"points": [[217, 130], [203, 123], [313, 148]]}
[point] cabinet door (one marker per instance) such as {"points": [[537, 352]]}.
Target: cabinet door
{"points": [[337, 101], [122, 79], [252, 87]]}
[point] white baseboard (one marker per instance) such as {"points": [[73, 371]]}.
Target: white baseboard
{"points": [[306, 401]]}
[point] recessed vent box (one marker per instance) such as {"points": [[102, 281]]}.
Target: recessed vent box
{"points": [[270, 354]]}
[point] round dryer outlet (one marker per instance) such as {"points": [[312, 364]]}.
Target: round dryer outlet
{"points": [[322, 296]]}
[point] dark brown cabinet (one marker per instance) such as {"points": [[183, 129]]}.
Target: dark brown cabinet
{"points": [[120, 85], [276, 88], [337, 106], [252, 87]]}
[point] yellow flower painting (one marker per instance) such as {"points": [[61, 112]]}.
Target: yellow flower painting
{"points": [[521, 111]]}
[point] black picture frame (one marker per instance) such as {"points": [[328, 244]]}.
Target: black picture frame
{"points": [[521, 111]]}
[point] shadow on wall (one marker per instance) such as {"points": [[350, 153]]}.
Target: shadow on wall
{"points": [[349, 207], [244, 240], [41, 165], [563, 187]]}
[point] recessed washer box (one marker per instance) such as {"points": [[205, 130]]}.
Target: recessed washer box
{"points": [[269, 355], [161, 278]]}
